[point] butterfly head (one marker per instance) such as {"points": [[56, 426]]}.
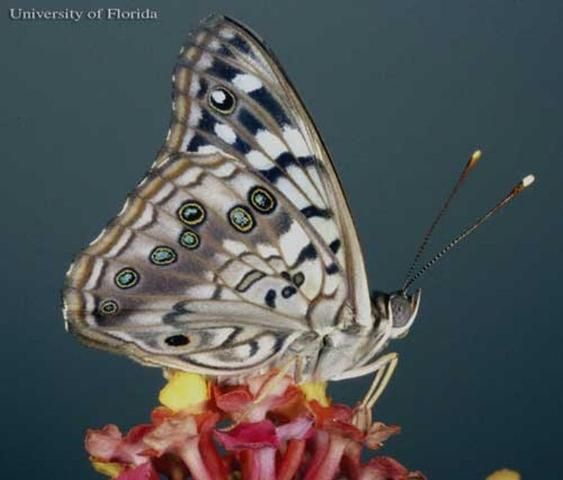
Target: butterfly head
{"points": [[399, 307]]}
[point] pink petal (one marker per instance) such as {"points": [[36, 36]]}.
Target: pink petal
{"points": [[172, 433], [108, 444], [300, 429], [145, 471], [379, 433], [103, 443], [233, 401], [249, 435]]}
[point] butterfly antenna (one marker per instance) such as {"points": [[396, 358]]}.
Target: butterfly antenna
{"points": [[516, 190], [471, 163]]}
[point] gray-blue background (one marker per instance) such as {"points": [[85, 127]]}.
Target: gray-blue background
{"points": [[402, 91]]}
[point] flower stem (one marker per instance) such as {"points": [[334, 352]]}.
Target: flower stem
{"points": [[291, 460], [265, 459], [327, 468], [192, 458]]}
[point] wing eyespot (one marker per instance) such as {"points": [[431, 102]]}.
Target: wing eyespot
{"points": [[262, 200], [126, 278], [108, 307], [298, 279], [241, 219], [189, 239], [222, 100], [191, 213], [163, 255]]}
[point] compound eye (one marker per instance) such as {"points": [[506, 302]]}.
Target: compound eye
{"points": [[402, 311], [222, 100]]}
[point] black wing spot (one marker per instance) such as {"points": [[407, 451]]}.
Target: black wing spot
{"points": [[240, 44], [332, 269], [272, 174], [270, 298], [250, 122], [288, 291], [203, 87], [196, 142], [223, 70], [177, 340], [335, 245], [207, 122], [308, 161], [266, 100], [286, 159], [241, 146], [312, 211], [308, 253]]}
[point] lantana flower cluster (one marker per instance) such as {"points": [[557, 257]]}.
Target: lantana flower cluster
{"points": [[266, 428]]}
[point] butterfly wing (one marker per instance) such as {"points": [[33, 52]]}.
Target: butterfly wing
{"points": [[237, 243], [226, 52]]}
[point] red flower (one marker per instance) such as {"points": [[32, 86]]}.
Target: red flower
{"points": [[271, 429]]}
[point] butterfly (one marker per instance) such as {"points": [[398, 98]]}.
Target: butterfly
{"points": [[237, 252]]}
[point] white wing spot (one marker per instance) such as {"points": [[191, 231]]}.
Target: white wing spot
{"points": [[292, 242], [234, 247], [194, 87], [246, 82], [224, 170], [258, 160], [207, 149], [296, 142], [204, 62], [270, 143], [266, 250], [226, 33], [225, 133], [195, 116]]}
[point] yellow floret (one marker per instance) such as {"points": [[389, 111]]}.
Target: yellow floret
{"points": [[110, 469], [184, 391], [315, 391], [504, 474]]}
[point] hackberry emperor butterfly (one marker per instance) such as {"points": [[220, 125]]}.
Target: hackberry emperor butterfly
{"points": [[237, 252]]}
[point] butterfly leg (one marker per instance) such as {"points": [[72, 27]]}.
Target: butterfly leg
{"points": [[385, 367]]}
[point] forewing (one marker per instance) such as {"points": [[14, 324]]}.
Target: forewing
{"points": [[269, 129]]}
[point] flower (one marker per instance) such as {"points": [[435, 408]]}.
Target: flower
{"points": [[266, 427], [504, 474]]}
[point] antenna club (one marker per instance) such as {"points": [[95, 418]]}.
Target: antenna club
{"points": [[528, 180], [524, 183], [474, 159]]}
